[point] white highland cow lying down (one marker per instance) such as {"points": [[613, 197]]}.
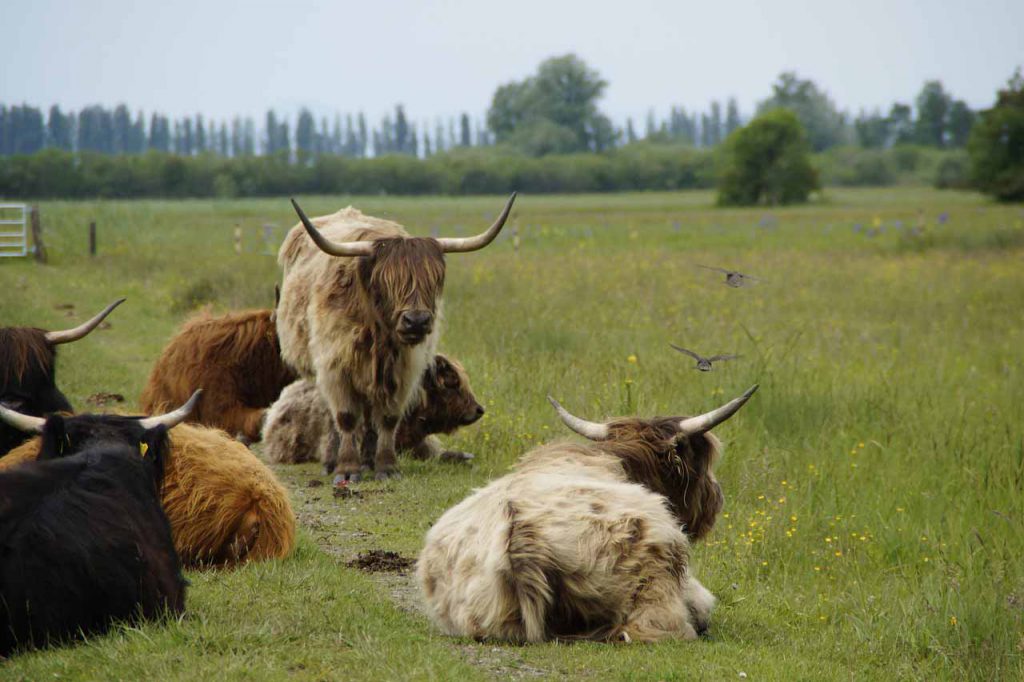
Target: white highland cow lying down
{"points": [[584, 540]]}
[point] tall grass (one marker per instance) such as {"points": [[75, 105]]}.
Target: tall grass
{"points": [[874, 524]]}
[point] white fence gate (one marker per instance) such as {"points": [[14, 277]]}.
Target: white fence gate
{"points": [[13, 230]]}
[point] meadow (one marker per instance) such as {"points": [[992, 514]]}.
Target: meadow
{"points": [[874, 517]]}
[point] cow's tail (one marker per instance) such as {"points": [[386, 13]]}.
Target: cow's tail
{"points": [[529, 590]]}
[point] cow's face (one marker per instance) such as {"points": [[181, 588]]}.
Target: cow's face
{"points": [[450, 402], [404, 278]]}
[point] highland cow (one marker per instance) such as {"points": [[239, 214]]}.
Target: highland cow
{"points": [[299, 426], [583, 541], [28, 361], [224, 505], [235, 358], [360, 312], [84, 541]]}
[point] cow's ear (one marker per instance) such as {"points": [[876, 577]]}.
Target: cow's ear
{"points": [[56, 442], [152, 449]]}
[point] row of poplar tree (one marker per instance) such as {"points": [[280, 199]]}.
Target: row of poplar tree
{"points": [[554, 111], [24, 129]]}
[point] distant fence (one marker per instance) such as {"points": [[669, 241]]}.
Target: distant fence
{"points": [[14, 230]]}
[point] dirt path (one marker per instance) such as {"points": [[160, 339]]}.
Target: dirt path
{"points": [[332, 517]]}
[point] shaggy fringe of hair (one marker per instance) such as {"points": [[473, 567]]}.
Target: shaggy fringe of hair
{"points": [[225, 506], [21, 348]]}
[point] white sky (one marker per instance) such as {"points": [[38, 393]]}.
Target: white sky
{"points": [[441, 58]]}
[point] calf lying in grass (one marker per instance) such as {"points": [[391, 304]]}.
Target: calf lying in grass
{"points": [[84, 541], [299, 426], [583, 540], [225, 506]]}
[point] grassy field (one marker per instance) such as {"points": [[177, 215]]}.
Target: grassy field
{"points": [[874, 522]]}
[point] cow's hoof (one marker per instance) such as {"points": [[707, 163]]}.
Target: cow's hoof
{"points": [[394, 474], [456, 457]]}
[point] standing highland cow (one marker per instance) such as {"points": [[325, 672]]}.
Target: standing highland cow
{"points": [[28, 365], [583, 540], [360, 308], [299, 426], [235, 358]]}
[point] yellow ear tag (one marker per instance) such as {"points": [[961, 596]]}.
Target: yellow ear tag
{"points": [[143, 448]]}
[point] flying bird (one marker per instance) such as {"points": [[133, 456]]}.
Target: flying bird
{"points": [[704, 364], [733, 278]]}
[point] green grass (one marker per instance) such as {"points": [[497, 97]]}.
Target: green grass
{"points": [[874, 522]]}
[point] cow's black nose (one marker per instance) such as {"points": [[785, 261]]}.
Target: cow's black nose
{"points": [[416, 320]]}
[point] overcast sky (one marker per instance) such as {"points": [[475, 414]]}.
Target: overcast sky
{"points": [[441, 58]]}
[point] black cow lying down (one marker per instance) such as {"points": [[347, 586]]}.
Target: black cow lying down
{"points": [[84, 540]]}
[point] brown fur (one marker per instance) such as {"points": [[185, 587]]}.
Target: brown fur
{"points": [[339, 323], [678, 469], [23, 349], [236, 360], [225, 506]]}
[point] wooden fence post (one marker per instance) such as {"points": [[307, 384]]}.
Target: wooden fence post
{"points": [[37, 236], [92, 238]]}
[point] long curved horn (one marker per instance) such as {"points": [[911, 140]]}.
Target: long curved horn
{"points": [[591, 430], [22, 422], [69, 335], [172, 419], [464, 244], [709, 420], [362, 248]]}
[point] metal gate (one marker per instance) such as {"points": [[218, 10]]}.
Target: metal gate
{"points": [[13, 230]]}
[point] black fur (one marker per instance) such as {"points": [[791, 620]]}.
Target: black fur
{"points": [[84, 541]]}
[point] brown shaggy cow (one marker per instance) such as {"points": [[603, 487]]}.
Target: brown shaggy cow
{"points": [[225, 506], [236, 360], [299, 427], [360, 308], [28, 365], [583, 540]]}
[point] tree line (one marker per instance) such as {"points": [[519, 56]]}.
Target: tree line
{"points": [[545, 133], [24, 129], [554, 111]]}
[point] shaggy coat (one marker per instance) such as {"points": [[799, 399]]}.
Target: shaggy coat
{"points": [[27, 379], [580, 541], [225, 506], [234, 358], [299, 427], [84, 541], [340, 322]]}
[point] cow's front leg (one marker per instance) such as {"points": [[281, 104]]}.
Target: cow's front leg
{"points": [[348, 452], [385, 461], [699, 602]]}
